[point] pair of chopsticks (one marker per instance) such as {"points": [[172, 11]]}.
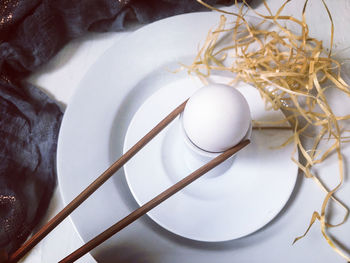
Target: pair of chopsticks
{"points": [[46, 229]]}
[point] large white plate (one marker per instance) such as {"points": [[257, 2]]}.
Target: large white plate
{"points": [[92, 136]]}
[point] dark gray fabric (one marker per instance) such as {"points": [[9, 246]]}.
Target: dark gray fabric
{"points": [[28, 128], [31, 32]]}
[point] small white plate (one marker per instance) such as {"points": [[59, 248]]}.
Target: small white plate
{"points": [[240, 201]]}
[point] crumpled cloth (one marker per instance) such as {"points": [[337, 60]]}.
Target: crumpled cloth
{"points": [[31, 32]]}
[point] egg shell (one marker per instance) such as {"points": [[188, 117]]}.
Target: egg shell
{"points": [[216, 117]]}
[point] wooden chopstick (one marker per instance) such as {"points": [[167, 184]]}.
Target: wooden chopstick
{"points": [[152, 203], [36, 238], [272, 128]]}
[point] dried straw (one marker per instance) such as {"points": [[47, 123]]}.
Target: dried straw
{"points": [[291, 71]]}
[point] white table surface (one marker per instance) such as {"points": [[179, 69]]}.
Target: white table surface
{"points": [[61, 76]]}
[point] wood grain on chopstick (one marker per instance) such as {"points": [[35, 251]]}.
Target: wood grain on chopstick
{"points": [[152, 203], [36, 238]]}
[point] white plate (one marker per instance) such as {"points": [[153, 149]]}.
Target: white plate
{"points": [[92, 136], [244, 198]]}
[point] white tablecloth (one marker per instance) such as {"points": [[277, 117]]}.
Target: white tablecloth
{"points": [[61, 76]]}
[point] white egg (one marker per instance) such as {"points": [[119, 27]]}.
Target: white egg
{"points": [[216, 118]]}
